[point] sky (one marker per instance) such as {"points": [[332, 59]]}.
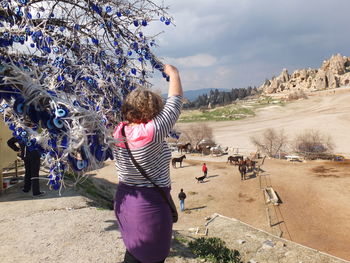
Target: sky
{"points": [[239, 43]]}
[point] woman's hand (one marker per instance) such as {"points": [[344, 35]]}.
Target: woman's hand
{"points": [[175, 87], [170, 70]]}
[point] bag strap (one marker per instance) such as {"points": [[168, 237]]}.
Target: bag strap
{"points": [[142, 171]]}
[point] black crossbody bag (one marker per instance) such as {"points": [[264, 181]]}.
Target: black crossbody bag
{"points": [[170, 202]]}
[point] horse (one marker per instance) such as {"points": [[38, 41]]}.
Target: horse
{"points": [[242, 168], [178, 160], [234, 159], [183, 147], [250, 164]]}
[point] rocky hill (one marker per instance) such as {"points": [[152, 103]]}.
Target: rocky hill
{"points": [[333, 73]]}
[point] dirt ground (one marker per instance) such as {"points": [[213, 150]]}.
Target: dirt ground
{"points": [[315, 209], [315, 195], [315, 199]]}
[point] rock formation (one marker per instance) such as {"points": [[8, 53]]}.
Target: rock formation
{"points": [[333, 73]]}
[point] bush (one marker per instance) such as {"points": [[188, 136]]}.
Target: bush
{"points": [[312, 144], [215, 250]]}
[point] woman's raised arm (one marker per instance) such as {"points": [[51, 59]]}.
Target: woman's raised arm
{"points": [[175, 87]]}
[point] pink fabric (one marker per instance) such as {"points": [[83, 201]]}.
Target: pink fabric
{"points": [[137, 135]]}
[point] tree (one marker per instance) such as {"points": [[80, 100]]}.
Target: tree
{"points": [[271, 142], [196, 133], [65, 67], [310, 143]]}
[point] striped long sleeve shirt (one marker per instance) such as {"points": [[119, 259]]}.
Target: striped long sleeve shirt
{"points": [[147, 145]]}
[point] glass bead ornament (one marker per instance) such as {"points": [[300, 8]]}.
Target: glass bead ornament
{"points": [[63, 73]]}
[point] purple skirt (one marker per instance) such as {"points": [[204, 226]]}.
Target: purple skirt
{"points": [[145, 222]]}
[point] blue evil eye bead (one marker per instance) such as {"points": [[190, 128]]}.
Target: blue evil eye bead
{"points": [[99, 153], [32, 45], [136, 23], [64, 142], [29, 15], [62, 28], [162, 19], [115, 43], [60, 78], [38, 15], [144, 23], [56, 186], [29, 144], [118, 13], [61, 112], [94, 41], [1, 110], [129, 53], [108, 9], [19, 106], [49, 124], [23, 134], [167, 21], [55, 49], [58, 123], [133, 71], [81, 164]]}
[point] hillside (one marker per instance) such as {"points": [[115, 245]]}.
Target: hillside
{"points": [[327, 111]]}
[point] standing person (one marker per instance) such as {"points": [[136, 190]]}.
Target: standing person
{"points": [[205, 169], [31, 160], [182, 197], [144, 217]]}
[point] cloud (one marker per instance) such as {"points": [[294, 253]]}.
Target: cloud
{"points": [[235, 44], [195, 61]]}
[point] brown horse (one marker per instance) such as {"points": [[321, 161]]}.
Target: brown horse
{"points": [[250, 164], [183, 147], [242, 168], [234, 159], [178, 160]]}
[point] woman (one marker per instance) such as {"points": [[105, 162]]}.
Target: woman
{"points": [[143, 215]]}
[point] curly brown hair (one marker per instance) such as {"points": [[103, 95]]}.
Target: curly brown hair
{"points": [[141, 105]]}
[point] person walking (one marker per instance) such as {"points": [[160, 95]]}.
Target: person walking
{"points": [[204, 170], [182, 197], [144, 216], [31, 158]]}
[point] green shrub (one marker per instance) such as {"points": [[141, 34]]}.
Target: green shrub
{"points": [[215, 250]]}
